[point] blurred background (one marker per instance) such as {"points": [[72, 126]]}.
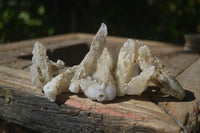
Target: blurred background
{"points": [[158, 20]]}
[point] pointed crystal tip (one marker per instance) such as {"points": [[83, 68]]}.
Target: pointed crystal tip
{"points": [[103, 29]]}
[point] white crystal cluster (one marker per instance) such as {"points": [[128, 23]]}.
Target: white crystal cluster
{"points": [[43, 69], [98, 77]]}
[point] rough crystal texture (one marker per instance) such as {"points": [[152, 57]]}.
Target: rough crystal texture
{"points": [[97, 76], [43, 70], [125, 65], [59, 84], [162, 76], [88, 64], [101, 86], [139, 83]]}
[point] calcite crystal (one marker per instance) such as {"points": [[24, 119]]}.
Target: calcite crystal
{"points": [[162, 77], [138, 84], [88, 65], [43, 69], [152, 71], [98, 77], [101, 86], [59, 84], [125, 64]]}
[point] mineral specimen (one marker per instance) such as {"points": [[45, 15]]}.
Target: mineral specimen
{"points": [[43, 70], [59, 84], [88, 65], [139, 83], [101, 86], [125, 65], [162, 77], [98, 77]]}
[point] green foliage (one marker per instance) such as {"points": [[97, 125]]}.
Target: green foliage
{"points": [[27, 20], [23, 20], [160, 20]]}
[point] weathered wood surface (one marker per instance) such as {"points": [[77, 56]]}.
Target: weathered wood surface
{"points": [[151, 112]]}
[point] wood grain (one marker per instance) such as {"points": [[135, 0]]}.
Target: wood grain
{"points": [[187, 112], [131, 110], [152, 112]]}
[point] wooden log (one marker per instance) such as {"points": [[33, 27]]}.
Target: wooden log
{"points": [[151, 112], [23, 104], [186, 112]]}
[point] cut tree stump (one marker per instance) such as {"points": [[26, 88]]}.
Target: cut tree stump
{"points": [[152, 112]]}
